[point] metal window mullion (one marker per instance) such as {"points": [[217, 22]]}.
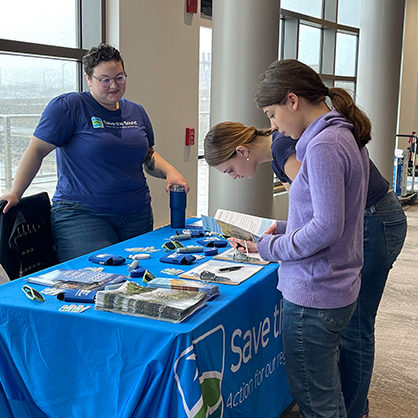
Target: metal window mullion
{"points": [[328, 52], [291, 38], [43, 50], [330, 8], [8, 176]]}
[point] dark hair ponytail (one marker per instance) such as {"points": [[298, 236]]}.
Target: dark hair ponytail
{"points": [[291, 76]]}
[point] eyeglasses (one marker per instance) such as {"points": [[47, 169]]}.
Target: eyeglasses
{"points": [[172, 245], [106, 82], [32, 293], [147, 276]]}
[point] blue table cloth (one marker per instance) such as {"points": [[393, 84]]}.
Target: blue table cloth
{"points": [[226, 360]]}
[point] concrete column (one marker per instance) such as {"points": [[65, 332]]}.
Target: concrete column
{"points": [[408, 111], [245, 42], [378, 80]]}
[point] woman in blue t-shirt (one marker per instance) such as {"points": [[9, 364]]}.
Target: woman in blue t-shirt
{"points": [[103, 143], [236, 149]]}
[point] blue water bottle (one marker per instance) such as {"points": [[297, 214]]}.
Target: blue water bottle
{"points": [[177, 206]]}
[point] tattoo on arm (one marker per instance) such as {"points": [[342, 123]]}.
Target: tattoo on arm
{"points": [[150, 162]]}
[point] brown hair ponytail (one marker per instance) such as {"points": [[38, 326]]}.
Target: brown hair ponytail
{"points": [[291, 76], [222, 140]]}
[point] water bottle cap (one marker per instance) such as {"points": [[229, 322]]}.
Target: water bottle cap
{"points": [[177, 188]]}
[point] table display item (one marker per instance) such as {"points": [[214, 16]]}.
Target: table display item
{"points": [[194, 233], [234, 255], [107, 259], [237, 225], [165, 304], [211, 272], [210, 251], [77, 295], [190, 249], [177, 206], [178, 258], [180, 237], [76, 279], [213, 242], [212, 290]]}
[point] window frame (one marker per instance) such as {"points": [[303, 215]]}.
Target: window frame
{"points": [[40, 50]]}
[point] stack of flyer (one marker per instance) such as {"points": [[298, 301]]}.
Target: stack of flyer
{"points": [[77, 279], [165, 304], [211, 290]]}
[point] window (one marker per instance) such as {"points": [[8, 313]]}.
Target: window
{"points": [[346, 55], [349, 12], [55, 23], [311, 7], [318, 34], [310, 46], [205, 58], [40, 59]]}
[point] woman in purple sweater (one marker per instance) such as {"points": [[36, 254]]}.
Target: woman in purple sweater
{"points": [[384, 235], [320, 247]]}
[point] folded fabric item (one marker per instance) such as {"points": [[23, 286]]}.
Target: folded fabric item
{"points": [[177, 258], [209, 251], [77, 295], [107, 259], [212, 242], [139, 272]]}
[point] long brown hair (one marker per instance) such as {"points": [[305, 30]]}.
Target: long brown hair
{"points": [[291, 76], [222, 140]]}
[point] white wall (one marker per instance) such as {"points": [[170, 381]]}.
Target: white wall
{"points": [[159, 42]]}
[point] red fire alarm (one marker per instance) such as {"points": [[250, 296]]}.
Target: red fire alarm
{"points": [[189, 136], [191, 6]]}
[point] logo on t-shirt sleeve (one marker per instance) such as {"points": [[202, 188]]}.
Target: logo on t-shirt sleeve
{"points": [[97, 122]]}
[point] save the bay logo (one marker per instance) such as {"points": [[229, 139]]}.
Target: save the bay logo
{"points": [[204, 399], [97, 122]]}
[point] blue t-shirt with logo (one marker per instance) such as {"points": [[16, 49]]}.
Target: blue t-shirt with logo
{"points": [[99, 152]]}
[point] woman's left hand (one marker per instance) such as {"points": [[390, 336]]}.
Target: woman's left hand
{"points": [[178, 179]]}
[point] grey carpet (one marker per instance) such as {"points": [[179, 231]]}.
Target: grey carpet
{"points": [[394, 387]]}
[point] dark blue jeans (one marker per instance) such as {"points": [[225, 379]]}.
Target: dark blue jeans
{"points": [[384, 235], [311, 339], [79, 230]]}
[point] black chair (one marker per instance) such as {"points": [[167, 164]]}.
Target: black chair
{"points": [[26, 244]]}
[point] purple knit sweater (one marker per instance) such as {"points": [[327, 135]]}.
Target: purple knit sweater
{"points": [[320, 247]]}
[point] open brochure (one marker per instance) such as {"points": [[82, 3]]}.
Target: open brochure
{"points": [[165, 304], [77, 279], [219, 271], [237, 225]]}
